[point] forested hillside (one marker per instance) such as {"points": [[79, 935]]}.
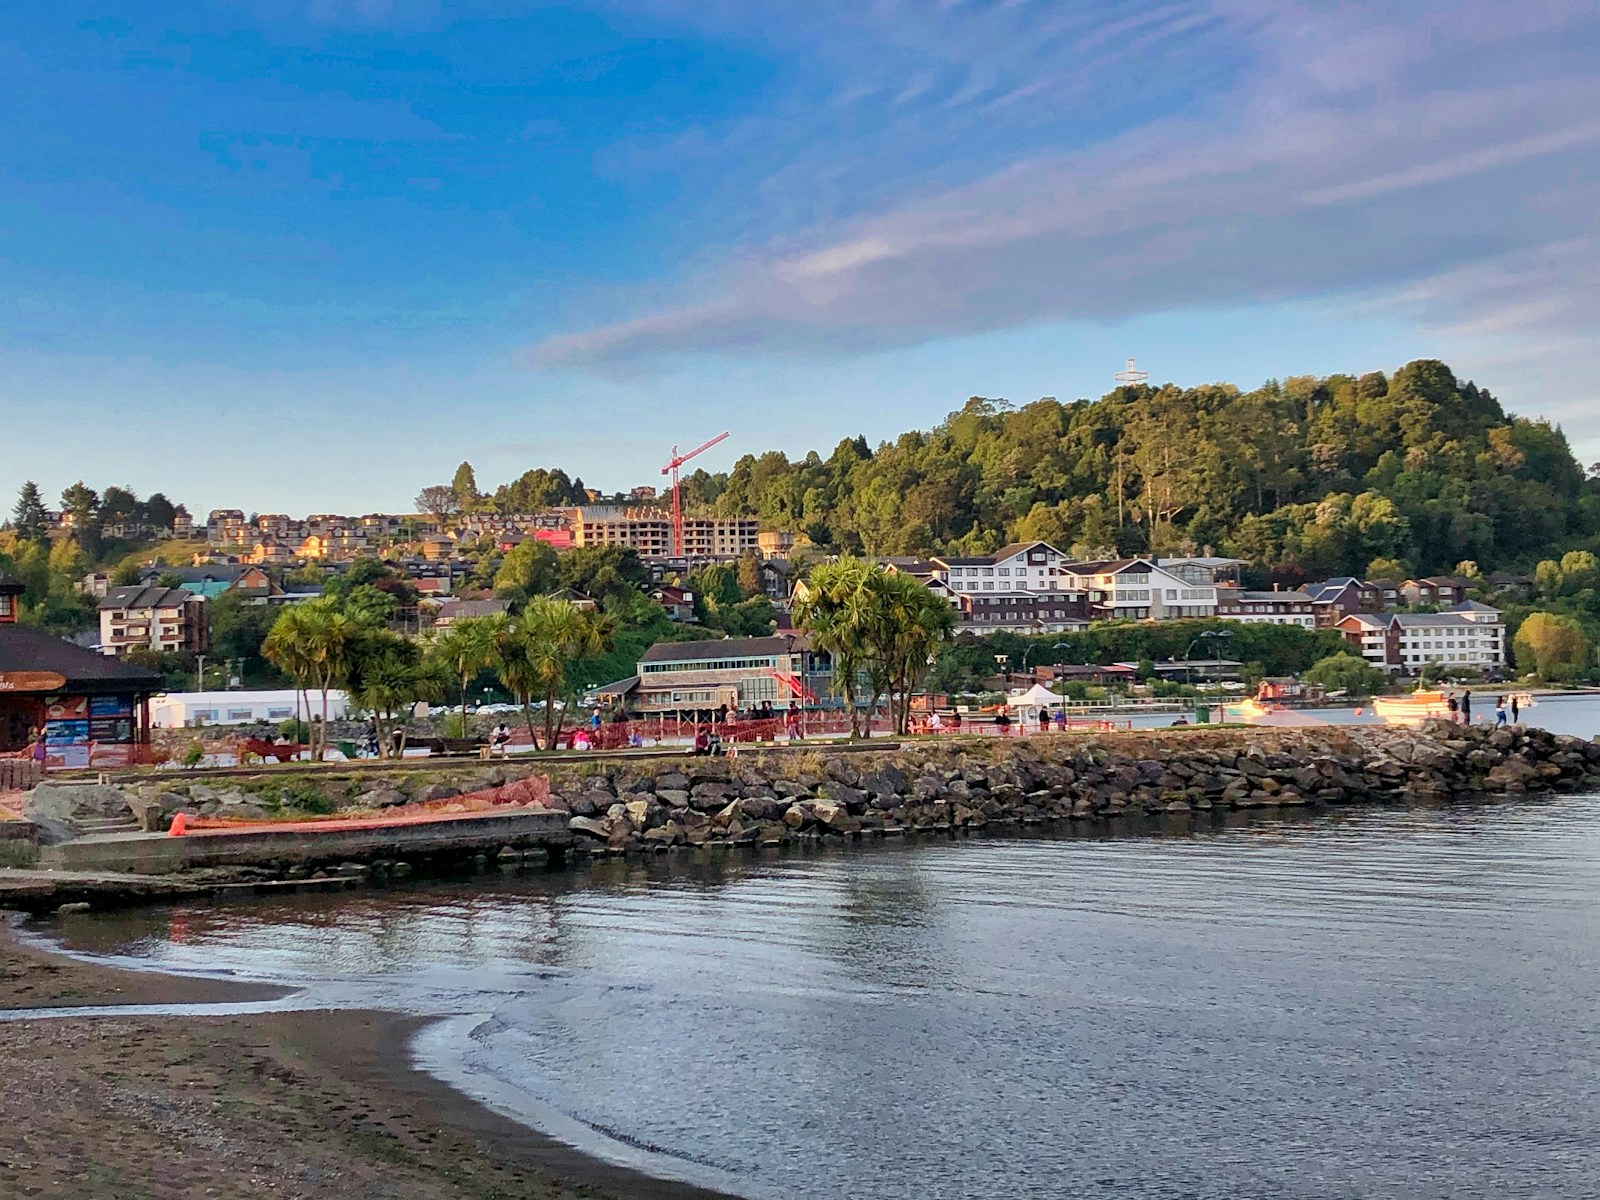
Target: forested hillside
{"points": [[1305, 478]]}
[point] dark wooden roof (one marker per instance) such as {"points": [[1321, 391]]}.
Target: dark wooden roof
{"points": [[143, 596], [700, 651], [25, 649]]}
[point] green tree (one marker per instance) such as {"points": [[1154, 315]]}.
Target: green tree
{"points": [[1348, 673], [367, 605], [877, 627], [311, 643], [80, 507], [716, 589], [119, 504], [528, 569], [159, 512], [29, 517], [1553, 645], [464, 486], [603, 572], [465, 648], [239, 629], [910, 623], [388, 676], [834, 609], [534, 656], [1580, 570], [749, 577]]}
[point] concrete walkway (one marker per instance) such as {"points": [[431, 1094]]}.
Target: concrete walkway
{"points": [[311, 842]]}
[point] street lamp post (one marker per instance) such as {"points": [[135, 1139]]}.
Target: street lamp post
{"points": [[1210, 633], [1031, 647]]}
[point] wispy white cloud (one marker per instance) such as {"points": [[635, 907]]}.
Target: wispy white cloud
{"points": [[1356, 150]]}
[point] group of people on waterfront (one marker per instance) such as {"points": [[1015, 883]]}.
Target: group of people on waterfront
{"points": [[1507, 708]]}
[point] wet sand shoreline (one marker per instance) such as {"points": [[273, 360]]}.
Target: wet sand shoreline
{"points": [[311, 1105]]}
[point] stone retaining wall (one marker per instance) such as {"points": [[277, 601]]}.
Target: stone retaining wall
{"points": [[1062, 777], [773, 798]]}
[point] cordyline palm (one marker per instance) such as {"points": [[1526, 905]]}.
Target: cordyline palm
{"points": [[836, 611], [312, 642], [388, 676], [875, 626], [534, 656], [467, 647], [911, 621]]}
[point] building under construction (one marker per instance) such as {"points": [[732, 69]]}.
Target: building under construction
{"points": [[649, 531]]}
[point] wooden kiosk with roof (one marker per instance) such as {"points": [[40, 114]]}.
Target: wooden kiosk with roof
{"points": [[91, 709]]}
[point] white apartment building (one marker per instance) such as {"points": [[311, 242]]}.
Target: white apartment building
{"points": [[153, 617], [1469, 635], [1266, 608], [1024, 567], [1136, 589]]}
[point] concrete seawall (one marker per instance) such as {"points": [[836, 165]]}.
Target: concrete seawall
{"points": [[312, 843]]}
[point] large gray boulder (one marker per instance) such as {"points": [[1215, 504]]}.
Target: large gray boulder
{"points": [[63, 811]]}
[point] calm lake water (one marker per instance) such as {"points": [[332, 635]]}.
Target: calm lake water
{"points": [[1383, 1004]]}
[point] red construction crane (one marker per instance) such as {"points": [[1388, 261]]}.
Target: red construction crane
{"points": [[677, 460]]}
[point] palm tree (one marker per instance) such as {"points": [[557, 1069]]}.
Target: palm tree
{"points": [[534, 656], [911, 621], [388, 676], [467, 647], [834, 608], [312, 643], [877, 627]]}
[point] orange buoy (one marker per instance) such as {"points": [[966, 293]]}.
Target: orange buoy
{"points": [[180, 825]]}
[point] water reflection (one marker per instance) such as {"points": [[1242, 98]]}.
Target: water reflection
{"points": [[1378, 1002]]}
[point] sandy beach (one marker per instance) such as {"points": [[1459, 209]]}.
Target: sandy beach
{"points": [[306, 1106]]}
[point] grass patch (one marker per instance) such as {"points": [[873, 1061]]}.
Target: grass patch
{"points": [[18, 854]]}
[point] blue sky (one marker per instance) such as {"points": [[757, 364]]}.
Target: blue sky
{"points": [[307, 255]]}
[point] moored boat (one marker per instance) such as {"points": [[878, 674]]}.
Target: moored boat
{"points": [[1408, 710]]}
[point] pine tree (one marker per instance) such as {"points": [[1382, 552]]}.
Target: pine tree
{"points": [[81, 505], [465, 486], [31, 520]]}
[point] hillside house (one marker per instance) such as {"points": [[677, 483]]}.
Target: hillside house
{"points": [[154, 618]]}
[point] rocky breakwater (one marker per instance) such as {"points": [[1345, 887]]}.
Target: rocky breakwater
{"points": [[780, 798]]}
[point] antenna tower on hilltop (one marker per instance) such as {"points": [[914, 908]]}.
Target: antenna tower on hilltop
{"points": [[1132, 377]]}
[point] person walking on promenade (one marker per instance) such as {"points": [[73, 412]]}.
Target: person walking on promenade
{"points": [[1466, 708], [1516, 708], [1499, 711], [1455, 710]]}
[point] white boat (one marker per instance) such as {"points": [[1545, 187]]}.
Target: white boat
{"points": [[1410, 710]]}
